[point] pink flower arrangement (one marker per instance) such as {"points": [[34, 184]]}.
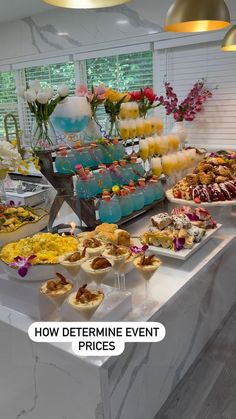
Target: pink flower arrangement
{"points": [[145, 98], [187, 110], [95, 97]]}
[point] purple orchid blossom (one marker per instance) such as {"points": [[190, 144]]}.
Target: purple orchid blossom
{"points": [[136, 250], [23, 264], [15, 204], [179, 243], [192, 217]]}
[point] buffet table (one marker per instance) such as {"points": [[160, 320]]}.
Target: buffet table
{"points": [[191, 298]]}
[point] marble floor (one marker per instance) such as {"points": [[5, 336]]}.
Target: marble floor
{"points": [[208, 390]]}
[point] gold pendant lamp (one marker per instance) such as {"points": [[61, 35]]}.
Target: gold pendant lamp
{"points": [[85, 4], [229, 41], [197, 16]]}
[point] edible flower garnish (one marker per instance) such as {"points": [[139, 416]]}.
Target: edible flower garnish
{"points": [[192, 217], [23, 264], [136, 250], [179, 243]]}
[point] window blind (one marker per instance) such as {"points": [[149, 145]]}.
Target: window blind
{"points": [[215, 126], [121, 72], [49, 75], [8, 99]]}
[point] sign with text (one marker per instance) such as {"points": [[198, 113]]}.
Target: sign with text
{"points": [[97, 339]]}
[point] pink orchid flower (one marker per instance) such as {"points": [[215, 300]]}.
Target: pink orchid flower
{"points": [[136, 250], [23, 264]]}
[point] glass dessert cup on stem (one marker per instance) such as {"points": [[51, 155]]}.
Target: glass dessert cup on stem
{"points": [[147, 266], [86, 301], [117, 255], [57, 291], [72, 263], [97, 268], [94, 247]]}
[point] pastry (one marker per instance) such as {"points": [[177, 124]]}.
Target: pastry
{"points": [[197, 233], [206, 178], [86, 301], [147, 265], [221, 179], [189, 241], [192, 179], [106, 227], [180, 221], [122, 237], [119, 236], [161, 220]]}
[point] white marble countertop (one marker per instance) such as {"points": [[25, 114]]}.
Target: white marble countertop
{"points": [[166, 285]]}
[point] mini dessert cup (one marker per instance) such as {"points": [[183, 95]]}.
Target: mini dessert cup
{"points": [[146, 266], [97, 268], [86, 301], [57, 290], [72, 263], [94, 247], [118, 255], [125, 268], [95, 251]]}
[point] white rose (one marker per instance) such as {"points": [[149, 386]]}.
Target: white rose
{"points": [[30, 95], [21, 92], [34, 85], [50, 92], [63, 90], [42, 97]]}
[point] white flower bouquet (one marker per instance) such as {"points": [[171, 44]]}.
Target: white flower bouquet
{"points": [[9, 159], [42, 102]]}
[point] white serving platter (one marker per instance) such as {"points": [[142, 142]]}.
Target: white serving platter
{"points": [[185, 253], [28, 229], [171, 198]]}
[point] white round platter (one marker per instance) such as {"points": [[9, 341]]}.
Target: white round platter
{"points": [[171, 198]]}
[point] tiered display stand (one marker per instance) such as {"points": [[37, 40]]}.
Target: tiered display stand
{"points": [[85, 209]]}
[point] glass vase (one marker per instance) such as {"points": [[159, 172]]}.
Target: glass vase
{"points": [[180, 130], [112, 128], [43, 135]]}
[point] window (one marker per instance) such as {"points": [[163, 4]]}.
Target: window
{"points": [[49, 75], [215, 125], [8, 99], [121, 72]]}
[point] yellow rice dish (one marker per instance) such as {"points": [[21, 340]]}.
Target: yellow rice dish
{"points": [[46, 246]]}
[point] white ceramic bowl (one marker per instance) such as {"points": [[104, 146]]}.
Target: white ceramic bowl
{"points": [[36, 273], [26, 230]]}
